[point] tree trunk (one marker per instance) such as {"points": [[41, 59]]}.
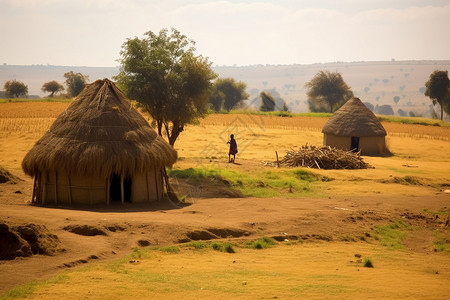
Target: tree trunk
{"points": [[159, 123], [442, 111], [177, 128]]}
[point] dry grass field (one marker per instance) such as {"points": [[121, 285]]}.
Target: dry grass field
{"points": [[291, 238]]}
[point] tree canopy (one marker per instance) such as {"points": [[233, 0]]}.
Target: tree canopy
{"points": [[267, 102], [52, 87], [15, 89], [75, 82], [162, 73], [227, 93], [327, 88], [437, 89], [384, 109]]}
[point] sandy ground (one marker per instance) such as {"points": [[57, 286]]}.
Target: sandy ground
{"points": [[317, 219]]}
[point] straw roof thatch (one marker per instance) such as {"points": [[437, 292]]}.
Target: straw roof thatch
{"points": [[100, 133], [354, 119]]}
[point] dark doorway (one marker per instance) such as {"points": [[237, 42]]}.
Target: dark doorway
{"points": [[127, 189], [115, 190], [354, 146]]}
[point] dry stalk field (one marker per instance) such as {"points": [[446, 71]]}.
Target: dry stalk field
{"points": [[294, 232]]}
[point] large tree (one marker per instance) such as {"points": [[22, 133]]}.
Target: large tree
{"points": [[162, 73], [75, 82], [267, 102], [227, 93], [437, 89], [52, 87], [328, 88], [14, 88]]}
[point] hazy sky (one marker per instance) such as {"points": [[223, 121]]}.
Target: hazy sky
{"points": [[91, 32]]}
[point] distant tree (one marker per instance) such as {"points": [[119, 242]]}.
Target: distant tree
{"points": [[396, 99], [369, 105], [317, 106], [15, 89], [267, 102], [217, 99], [437, 89], [227, 93], [167, 80], [75, 82], [52, 87], [385, 110], [329, 88], [447, 103], [284, 107], [401, 112], [414, 115]]}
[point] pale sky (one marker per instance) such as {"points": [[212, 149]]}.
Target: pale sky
{"points": [[228, 32]]}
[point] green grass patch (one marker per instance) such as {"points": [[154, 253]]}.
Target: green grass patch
{"points": [[407, 170], [197, 245], [218, 246], [169, 249], [441, 244], [262, 243], [27, 289], [415, 121], [21, 291], [138, 253], [261, 183], [392, 234], [440, 212], [406, 180], [223, 247], [275, 113]]}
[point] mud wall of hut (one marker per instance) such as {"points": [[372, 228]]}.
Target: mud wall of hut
{"points": [[61, 189], [367, 144]]}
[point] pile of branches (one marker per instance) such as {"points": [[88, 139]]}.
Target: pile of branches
{"points": [[321, 158]]}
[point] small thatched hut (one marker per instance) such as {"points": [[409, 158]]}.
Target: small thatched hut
{"points": [[100, 149], [355, 127]]}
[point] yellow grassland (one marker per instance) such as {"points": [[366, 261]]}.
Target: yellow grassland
{"points": [[420, 151]]}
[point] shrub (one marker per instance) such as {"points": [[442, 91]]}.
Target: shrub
{"points": [[261, 243], [223, 247], [368, 263]]}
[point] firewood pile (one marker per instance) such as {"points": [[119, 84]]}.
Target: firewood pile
{"points": [[321, 158]]}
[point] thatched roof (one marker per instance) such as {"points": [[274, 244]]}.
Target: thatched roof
{"points": [[100, 133], [354, 119]]}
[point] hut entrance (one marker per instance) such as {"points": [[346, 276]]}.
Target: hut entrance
{"points": [[115, 189], [354, 146]]}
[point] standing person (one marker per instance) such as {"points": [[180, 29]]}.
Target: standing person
{"points": [[233, 148]]}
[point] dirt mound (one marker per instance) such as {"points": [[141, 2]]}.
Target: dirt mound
{"points": [[6, 176], [26, 240], [86, 230], [214, 233]]}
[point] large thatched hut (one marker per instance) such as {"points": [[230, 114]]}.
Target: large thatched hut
{"points": [[355, 127], [99, 150]]}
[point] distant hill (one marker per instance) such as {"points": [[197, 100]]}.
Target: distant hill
{"points": [[374, 82]]}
